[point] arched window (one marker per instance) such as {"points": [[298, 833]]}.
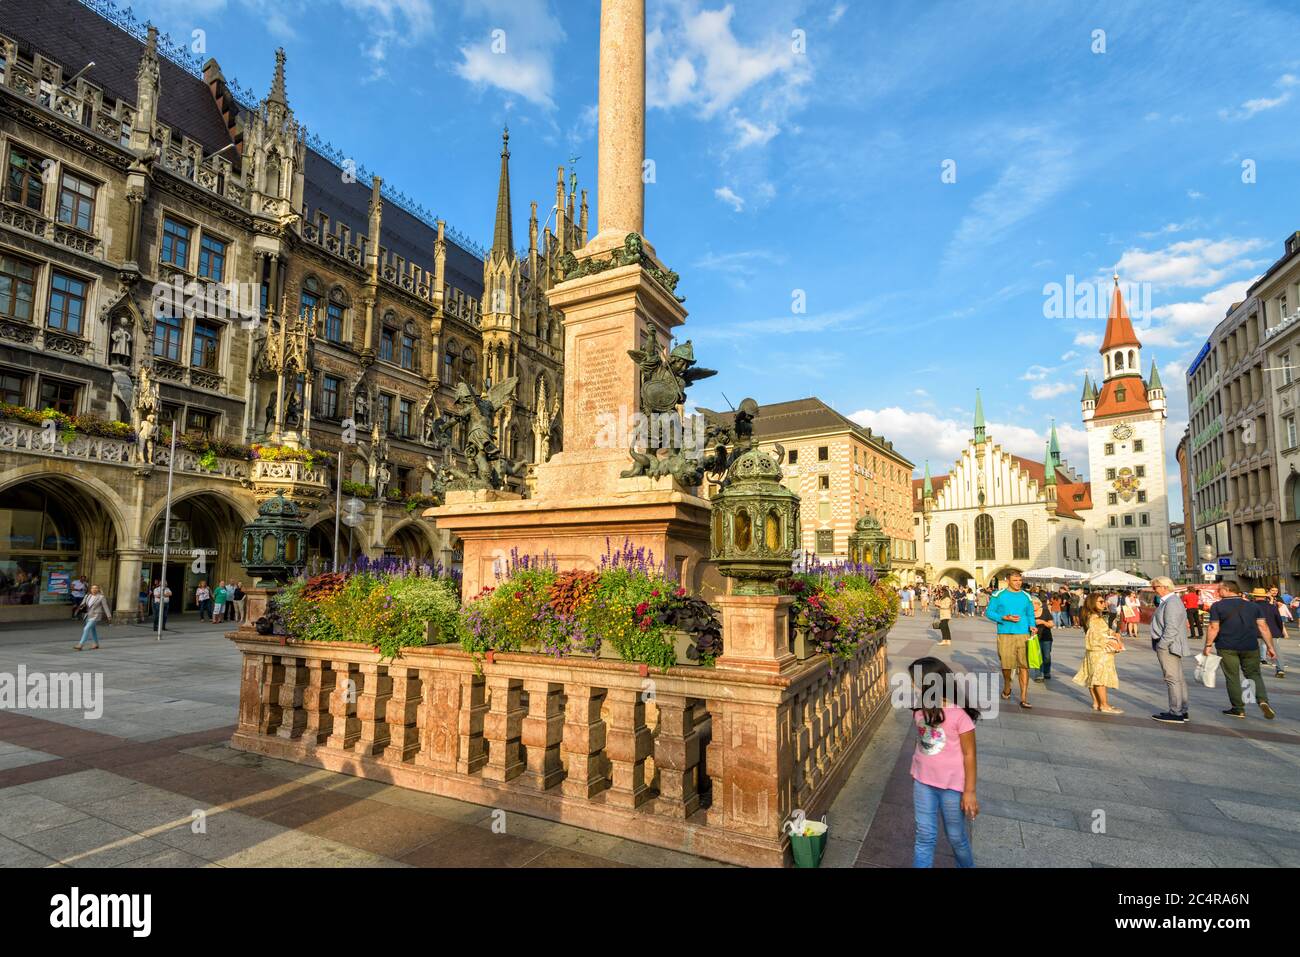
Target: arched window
{"points": [[984, 537], [1077, 553], [467, 365], [335, 313], [1293, 485], [952, 541], [1108, 365], [1020, 538], [310, 297], [449, 361], [1119, 360], [1132, 359], [1065, 548]]}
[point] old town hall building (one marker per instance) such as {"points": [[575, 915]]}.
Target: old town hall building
{"points": [[995, 512], [178, 256]]}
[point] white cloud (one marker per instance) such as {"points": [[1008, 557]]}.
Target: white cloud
{"points": [[729, 197], [1049, 390], [1040, 168], [1036, 374], [1092, 339], [742, 264], [923, 436], [390, 23], [1191, 263], [1195, 194], [837, 13], [1181, 323], [1261, 104], [516, 52], [1066, 357]]}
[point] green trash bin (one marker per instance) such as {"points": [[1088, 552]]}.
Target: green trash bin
{"points": [[809, 844]]}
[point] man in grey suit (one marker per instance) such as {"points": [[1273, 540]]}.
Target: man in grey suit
{"points": [[1169, 639]]}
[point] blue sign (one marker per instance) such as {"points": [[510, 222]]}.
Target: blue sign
{"points": [[1225, 562], [1200, 357]]}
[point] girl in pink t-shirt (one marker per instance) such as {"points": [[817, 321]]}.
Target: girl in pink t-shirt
{"points": [[943, 766]]}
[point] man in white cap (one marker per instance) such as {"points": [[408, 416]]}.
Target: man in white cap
{"points": [[1169, 639]]}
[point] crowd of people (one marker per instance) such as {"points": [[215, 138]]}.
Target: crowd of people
{"points": [[1236, 632], [153, 606]]}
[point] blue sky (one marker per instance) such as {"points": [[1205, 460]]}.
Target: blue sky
{"points": [[808, 168]]}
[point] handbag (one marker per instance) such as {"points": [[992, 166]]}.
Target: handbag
{"points": [[1035, 652]]}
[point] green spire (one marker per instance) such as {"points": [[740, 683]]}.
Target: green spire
{"points": [[1049, 462], [1054, 446], [1155, 382], [979, 419], [927, 489], [1087, 387]]}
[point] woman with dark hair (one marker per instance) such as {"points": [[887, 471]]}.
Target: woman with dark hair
{"points": [[943, 608], [943, 765], [1100, 645]]}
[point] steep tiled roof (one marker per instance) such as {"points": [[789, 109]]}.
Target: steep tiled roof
{"points": [[67, 32], [1119, 330], [1134, 400]]}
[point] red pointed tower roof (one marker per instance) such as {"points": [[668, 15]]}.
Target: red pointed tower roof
{"points": [[1119, 330]]}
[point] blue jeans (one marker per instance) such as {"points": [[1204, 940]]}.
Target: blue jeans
{"points": [[88, 633], [929, 803]]}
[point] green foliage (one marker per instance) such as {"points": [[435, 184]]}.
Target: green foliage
{"points": [[358, 489]]}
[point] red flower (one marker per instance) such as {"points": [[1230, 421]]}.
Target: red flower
{"points": [[680, 593], [519, 596], [641, 609]]}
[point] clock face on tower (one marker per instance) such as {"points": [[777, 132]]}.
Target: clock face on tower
{"points": [[1121, 432]]}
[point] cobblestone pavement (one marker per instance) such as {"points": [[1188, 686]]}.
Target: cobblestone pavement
{"points": [[1215, 792], [123, 789]]}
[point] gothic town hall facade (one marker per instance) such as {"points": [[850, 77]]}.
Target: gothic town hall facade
{"points": [[181, 258]]}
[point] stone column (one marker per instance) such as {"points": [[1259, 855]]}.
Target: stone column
{"points": [[541, 734], [502, 729], [621, 136], [756, 633], [629, 742], [584, 742], [129, 566]]}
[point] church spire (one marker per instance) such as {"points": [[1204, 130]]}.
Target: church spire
{"points": [[927, 488], [1155, 382], [979, 419], [1054, 446], [1049, 461], [1119, 329], [503, 238], [277, 82]]}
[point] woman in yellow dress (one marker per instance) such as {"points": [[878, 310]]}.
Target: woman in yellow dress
{"points": [[1100, 645]]}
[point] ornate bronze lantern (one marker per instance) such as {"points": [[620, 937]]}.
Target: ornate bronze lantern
{"points": [[869, 545], [755, 524], [274, 546]]}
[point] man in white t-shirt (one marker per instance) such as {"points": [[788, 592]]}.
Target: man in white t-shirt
{"points": [[162, 598], [77, 593]]}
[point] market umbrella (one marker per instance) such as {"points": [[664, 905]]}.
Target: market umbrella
{"points": [[1117, 579], [1053, 574]]}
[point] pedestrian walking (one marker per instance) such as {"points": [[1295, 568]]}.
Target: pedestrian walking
{"points": [[943, 606], [1273, 618], [1236, 628], [1192, 605], [1169, 633], [1043, 618], [943, 765], [142, 612], [77, 594], [237, 598], [203, 601], [219, 603], [1100, 645], [95, 607], [1132, 614], [1013, 613], [905, 600]]}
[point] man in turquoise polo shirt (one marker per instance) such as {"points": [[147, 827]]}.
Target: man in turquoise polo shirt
{"points": [[1012, 610]]}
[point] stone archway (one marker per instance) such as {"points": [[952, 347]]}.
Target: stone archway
{"points": [[55, 528], [998, 578], [202, 539], [412, 539], [955, 576]]}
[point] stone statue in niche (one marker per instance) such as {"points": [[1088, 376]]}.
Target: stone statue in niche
{"points": [[293, 412], [119, 352], [361, 408]]}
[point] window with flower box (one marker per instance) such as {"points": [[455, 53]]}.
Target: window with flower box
{"points": [[13, 388], [59, 395]]}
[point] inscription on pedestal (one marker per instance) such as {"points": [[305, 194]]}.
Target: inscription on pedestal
{"points": [[600, 386]]}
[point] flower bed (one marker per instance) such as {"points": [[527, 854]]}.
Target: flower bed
{"points": [[631, 603], [387, 606], [69, 426], [277, 453], [839, 606], [358, 489]]}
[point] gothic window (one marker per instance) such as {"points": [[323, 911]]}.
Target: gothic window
{"points": [[1020, 539], [1132, 359], [984, 537], [26, 186], [309, 300], [1065, 549], [335, 310], [450, 359], [409, 348], [273, 174], [952, 542], [1119, 360], [468, 366]]}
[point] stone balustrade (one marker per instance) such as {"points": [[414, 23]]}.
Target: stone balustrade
{"points": [[712, 761], [19, 436]]}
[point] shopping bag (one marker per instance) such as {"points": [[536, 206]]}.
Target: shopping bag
{"points": [[1207, 666], [1035, 651]]}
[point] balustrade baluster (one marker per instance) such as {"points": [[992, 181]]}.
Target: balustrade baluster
{"points": [[343, 706], [584, 743], [628, 744], [401, 713], [372, 702], [293, 719], [677, 756], [542, 732], [316, 701], [272, 676], [502, 728]]}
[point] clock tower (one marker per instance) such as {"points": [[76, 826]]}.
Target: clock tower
{"points": [[1125, 424]]}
